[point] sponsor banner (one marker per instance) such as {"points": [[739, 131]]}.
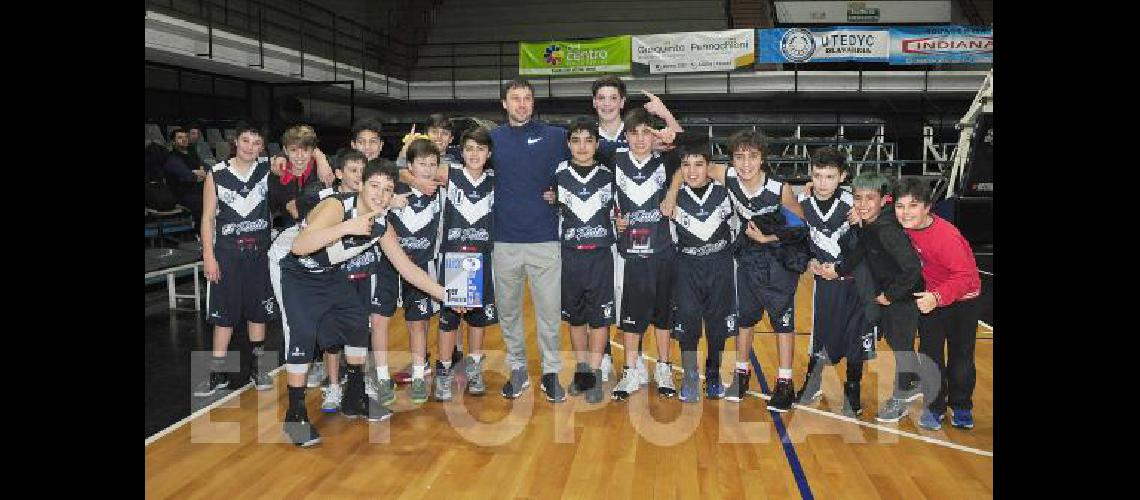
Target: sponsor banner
{"points": [[830, 44], [866, 12], [694, 51], [575, 57], [942, 44]]}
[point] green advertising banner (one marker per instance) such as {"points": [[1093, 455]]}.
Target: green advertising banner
{"points": [[575, 57]]}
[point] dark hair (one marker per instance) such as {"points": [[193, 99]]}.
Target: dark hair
{"points": [[608, 81], [695, 146], [515, 84], [370, 124], [421, 147], [829, 156], [438, 120], [193, 124], [637, 116], [379, 166], [915, 188], [242, 127], [583, 123], [175, 131], [346, 155], [747, 138], [480, 135]]}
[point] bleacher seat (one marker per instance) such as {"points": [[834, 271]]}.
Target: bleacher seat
{"points": [[171, 127], [222, 151], [159, 224], [229, 134], [214, 135]]}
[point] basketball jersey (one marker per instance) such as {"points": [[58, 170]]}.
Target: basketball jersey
{"points": [[585, 206], [830, 231], [702, 223], [243, 204], [467, 211], [344, 250], [417, 225], [747, 206], [610, 147], [640, 189]]}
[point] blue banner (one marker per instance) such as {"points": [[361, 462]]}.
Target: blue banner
{"points": [[826, 44], [942, 44]]}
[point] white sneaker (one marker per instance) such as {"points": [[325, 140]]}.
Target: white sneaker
{"points": [[642, 371], [333, 395], [606, 367], [629, 384], [663, 373]]}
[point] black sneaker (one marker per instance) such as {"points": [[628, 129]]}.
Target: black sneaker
{"points": [[215, 382], [783, 395], [301, 432], [516, 384], [852, 407], [739, 387], [355, 401], [554, 391], [579, 385]]}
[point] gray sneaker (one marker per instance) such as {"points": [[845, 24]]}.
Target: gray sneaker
{"points": [[475, 384], [443, 379], [607, 367], [419, 391], [595, 394], [518, 382], [893, 410], [910, 394], [333, 395], [385, 390], [377, 412], [317, 374]]}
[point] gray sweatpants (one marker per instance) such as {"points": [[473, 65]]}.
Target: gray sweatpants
{"points": [[541, 263]]}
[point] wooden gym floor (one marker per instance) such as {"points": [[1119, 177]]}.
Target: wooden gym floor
{"points": [[489, 447]]}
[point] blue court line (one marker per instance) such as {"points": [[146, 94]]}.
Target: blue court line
{"points": [[789, 448]]}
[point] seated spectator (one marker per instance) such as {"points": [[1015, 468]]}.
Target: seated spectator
{"points": [[184, 173], [198, 145]]}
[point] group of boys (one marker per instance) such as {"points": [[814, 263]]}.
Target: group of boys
{"points": [[709, 250]]}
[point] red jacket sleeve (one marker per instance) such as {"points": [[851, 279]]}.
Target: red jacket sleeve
{"points": [[956, 256]]}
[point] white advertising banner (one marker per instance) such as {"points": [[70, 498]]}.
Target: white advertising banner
{"points": [[693, 51]]}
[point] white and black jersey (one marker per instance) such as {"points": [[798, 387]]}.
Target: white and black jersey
{"points": [[344, 250], [585, 204], [828, 226], [749, 205], [610, 147], [702, 221], [243, 205], [417, 225], [467, 211], [640, 189]]}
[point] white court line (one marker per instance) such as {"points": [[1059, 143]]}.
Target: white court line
{"points": [[836, 416], [173, 427]]}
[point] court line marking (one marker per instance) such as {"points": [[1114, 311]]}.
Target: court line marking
{"points": [[785, 441], [173, 427], [837, 416]]}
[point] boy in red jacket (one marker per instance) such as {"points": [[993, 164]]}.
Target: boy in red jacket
{"points": [[948, 305]]}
